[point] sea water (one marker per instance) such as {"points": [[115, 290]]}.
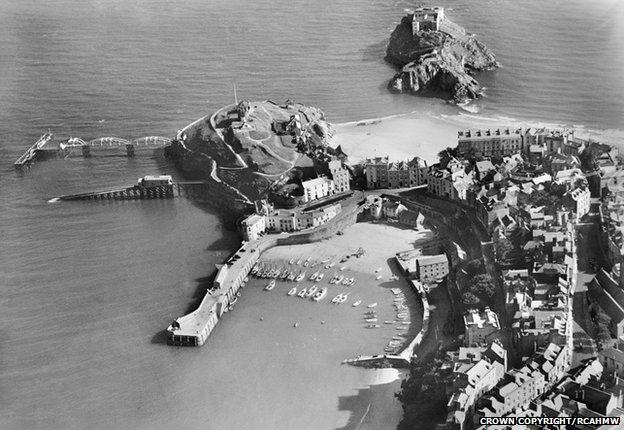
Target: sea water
{"points": [[87, 288]]}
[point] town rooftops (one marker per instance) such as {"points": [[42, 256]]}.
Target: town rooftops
{"points": [[252, 219], [310, 183], [474, 318], [426, 260]]}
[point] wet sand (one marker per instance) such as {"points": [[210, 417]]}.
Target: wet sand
{"points": [[328, 333]]}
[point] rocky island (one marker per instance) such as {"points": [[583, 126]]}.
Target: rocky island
{"points": [[436, 57]]}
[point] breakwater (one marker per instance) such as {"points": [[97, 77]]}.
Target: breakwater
{"points": [[194, 328]]}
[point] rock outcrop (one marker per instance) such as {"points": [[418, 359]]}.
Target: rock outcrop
{"points": [[252, 150], [437, 62]]}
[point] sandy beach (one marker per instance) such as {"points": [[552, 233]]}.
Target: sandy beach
{"points": [[365, 397], [400, 137]]}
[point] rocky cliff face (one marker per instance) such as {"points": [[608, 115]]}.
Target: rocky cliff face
{"points": [[437, 63]]}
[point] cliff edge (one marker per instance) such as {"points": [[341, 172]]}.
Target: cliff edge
{"points": [[255, 150], [436, 57]]}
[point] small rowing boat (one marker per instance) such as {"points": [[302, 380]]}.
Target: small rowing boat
{"points": [[372, 305], [358, 303], [320, 295], [292, 291], [270, 285], [313, 289]]}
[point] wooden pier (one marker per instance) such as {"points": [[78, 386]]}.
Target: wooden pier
{"points": [[138, 192], [33, 152]]}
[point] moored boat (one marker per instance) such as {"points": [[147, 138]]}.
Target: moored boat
{"points": [[320, 276], [311, 291], [371, 320], [270, 285], [302, 293], [300, 277], [305, 263], [320, 295], [291, 261], [292, 291], [358, 303], [373, 326], [372, 305], [313, 276]]}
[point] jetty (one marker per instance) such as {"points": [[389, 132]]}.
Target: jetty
{"points": [[45, 148], [148, 187], [194, 328], [33, 152]]}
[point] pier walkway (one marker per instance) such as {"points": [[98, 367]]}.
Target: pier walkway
{"points": [[32, 153], [138, 192], [64, 149]]}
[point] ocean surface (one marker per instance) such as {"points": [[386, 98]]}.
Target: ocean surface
{"points": [[86, 289]]}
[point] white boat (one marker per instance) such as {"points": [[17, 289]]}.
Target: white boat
{"points": [[320, 276], [343, 298], [313, 289], [335, 299], [345, 281], [332, 264], [406, 322], [313, 276], [388, 322], [270, 285], [325, 261], [320, 295], [401, 327], [292, 291], [371, 320], [342, 268], [358, 303], [378, 277], [339, 279], [292, 260], [302, 293], [305, 263], [299, 262], [292, 276], [372, 305], [300, 277], [327, 266], [285, 274]]}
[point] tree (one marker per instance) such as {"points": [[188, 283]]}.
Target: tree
{"points": [[474, 267], [506, 252], [470, 300], [483, 287]]}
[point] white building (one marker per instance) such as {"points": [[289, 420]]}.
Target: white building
{"points": [[340, 176], [318, 188], [580, 201], [253, 226], [481, 327]]}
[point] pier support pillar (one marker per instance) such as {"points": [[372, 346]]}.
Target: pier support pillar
{"points": [[86, 151]]}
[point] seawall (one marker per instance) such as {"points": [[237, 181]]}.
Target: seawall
{"points": [[194, 328]]}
